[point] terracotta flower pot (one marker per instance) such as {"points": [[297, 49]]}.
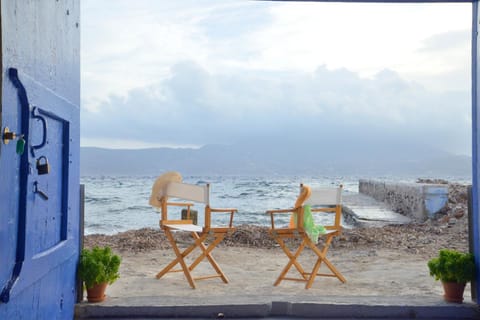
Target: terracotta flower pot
{"points": [[96, 293], [453, 291]]}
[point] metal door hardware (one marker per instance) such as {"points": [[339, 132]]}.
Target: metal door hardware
{"points": [[36, 190], [10, 135], [36, 115], [42, 165]]}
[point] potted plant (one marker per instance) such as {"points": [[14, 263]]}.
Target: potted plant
{"points": [[454, 269], [97, 268]]}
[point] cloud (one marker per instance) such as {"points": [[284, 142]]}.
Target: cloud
{"points": [[132, 44], [197, 107], [447, 41], [195, 72], [364, 38], [443, 61]]}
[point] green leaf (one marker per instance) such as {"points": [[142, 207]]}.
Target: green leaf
{"points": [[451, 265], [98, 265]]}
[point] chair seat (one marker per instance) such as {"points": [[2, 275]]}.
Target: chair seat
{"points": [[296, 231], [185, 227]]}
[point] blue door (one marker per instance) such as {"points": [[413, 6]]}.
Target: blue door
{"points": [[39, 158]]}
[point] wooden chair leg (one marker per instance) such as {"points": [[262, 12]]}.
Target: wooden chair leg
{"points": [[177, 259], [321, 257], [180, 259], [292, 260], [324, 253], [198, 244], [206, 253]]}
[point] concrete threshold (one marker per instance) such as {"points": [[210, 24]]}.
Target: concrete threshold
{"points": [[368, 307]]}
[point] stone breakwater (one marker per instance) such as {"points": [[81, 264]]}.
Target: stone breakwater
{"points": [[448, 230], [420, 201]]}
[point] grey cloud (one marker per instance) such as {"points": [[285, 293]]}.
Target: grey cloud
{"points": [[447, 41], [195, 106]]}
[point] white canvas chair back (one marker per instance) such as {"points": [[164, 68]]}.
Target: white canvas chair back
{"points": [[186, 192], [325, 196]]}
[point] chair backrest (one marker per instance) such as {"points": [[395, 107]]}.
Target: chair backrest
{"points": [[325, 196], [186, 191], [329, 200]]}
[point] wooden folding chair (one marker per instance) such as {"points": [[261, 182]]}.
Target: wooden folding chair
{"points": [[171, 188], [325, 200]]}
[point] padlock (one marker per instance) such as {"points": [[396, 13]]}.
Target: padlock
{"points": [[43, 168]]}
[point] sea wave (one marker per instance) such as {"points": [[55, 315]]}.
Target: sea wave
{"points": [[115, 204]]}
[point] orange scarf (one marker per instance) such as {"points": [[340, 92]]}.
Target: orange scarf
{"points": [[304, 195]]}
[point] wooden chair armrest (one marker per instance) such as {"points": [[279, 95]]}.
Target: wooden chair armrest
{"points": [[273, 212], [175, 204], [281, 211], [175, 222], [180, 204], [326, 210], [334, 228], [225, 210], [164, 214]]}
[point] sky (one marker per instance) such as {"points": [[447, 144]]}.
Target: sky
{"points": [[187, 73]]}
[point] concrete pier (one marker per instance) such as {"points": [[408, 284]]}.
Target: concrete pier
{"points": [[360, 210], [419, 201]]}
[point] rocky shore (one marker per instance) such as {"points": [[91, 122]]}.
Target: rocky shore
{"points": [[423, 238]]}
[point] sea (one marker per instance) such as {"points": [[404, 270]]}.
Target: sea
{"points": [[115, 204]]}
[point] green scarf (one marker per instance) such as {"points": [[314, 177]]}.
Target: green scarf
{"points": [[312, 230]]}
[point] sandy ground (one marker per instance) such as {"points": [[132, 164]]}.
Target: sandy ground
{"points": [[252, 272]]}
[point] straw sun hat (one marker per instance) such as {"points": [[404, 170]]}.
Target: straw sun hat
{"points": [[160, 183]]}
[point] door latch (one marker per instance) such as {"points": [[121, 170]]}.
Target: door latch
{"points": [[10, 135], [42, 194]]}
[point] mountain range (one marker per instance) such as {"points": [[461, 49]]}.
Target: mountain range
{"points": [[280, 158]]}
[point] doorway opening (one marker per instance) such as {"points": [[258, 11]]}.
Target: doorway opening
{"points": [[201, 82]]}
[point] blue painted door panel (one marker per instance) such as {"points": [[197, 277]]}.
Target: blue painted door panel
{"points": [[47, 220], [39, 213], [46, 226]]}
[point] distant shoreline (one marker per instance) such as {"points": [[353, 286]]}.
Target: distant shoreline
{"points": [[255, 159]]}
